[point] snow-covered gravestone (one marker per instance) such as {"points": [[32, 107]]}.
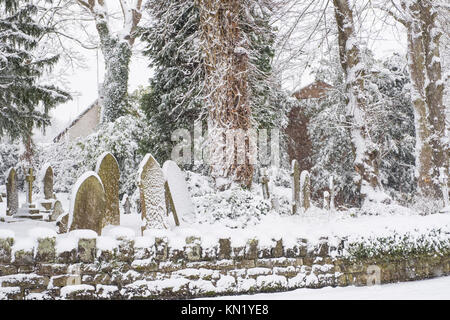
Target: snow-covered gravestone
{"points": [[295, 180], [151, 187], [178, 194], [265, 184], [326, 200], [12, 195], [332, 193], [305, 189], [88, 203], [108, 170]]}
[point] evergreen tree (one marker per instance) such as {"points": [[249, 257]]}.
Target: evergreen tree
{"points": [[176, 96], [25, 103]]}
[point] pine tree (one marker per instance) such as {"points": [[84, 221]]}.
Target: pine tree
{"points": [[25, 103]]}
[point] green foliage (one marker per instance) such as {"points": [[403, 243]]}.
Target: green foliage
{"points": [[25, 102]]}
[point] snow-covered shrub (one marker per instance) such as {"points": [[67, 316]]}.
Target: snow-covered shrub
{"points": [[9, 157], [121, 137], [390, 123]]}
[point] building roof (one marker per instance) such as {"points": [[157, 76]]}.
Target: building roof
{"points": [[315, 90], [62, 133]]}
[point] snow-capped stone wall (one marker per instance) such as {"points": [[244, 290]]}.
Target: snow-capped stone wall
{"points": [[86, 266]]}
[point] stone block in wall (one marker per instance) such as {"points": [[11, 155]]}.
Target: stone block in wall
{"points": [[245, 264], [32, 282], [264, 263], [126, 250], [24, 257], [5, 249], [278, 250], [107, 292], [161, 249], [251, 249], [193, 249], [78, 292], [50, 269], [67, 257], [11, 293], [271, 283], [46, 250], [146, 265], [176, 255], [65, 280], [169, 266], [7, 269], [87, 250], [224, 249]]}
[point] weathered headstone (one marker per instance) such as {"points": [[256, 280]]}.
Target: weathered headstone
{"points": [[88, 203], [305, 190], [47, 182], [326, 200], [151, 186], [265, 183], [56, 210], [178, 193], [332, 193], [443, 180], [126, 204], [108, 171], [295, 180], [62, 222], [12, 195]]}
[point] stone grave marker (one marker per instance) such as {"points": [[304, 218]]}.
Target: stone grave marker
{"points": [[178, 193], [265, 183], [295, 180], [152, 196], [88, 203], [332, 193], [108, 170], [126, 204], [305, 190], [12, 195]]}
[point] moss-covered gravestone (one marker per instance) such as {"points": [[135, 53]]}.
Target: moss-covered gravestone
{"points": [[151, 186], [47, 183], [305, 189], [12, 195], [108, 171], [295, 180], [88, 203]]}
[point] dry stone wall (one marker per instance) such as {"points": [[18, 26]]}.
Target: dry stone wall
{"points": [[151, 268]]}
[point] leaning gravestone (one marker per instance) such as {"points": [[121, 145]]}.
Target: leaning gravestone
{"points": [[12, 195], [108, 170], [305, 189], [88, 203], [152, 195], [295, 180], [178, 194]]}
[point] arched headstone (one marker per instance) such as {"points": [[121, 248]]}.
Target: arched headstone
{"points": [[295, 180], [88, 203], [178, 192], [305, 189], [12, 195], [151, 186], [108, 170]]}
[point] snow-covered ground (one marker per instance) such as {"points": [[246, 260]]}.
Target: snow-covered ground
{"points": [[433, 289]]}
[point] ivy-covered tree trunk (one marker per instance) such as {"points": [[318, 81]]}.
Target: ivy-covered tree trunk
{"points": [[365, 151], [227, 95]]}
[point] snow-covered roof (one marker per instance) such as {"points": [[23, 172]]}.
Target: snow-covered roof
{"points": [[62, 133]]}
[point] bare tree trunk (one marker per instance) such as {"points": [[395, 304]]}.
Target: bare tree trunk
{"points": [[424, 156], [434, 91], [116, 49], [226, 63], [350, 56]]}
